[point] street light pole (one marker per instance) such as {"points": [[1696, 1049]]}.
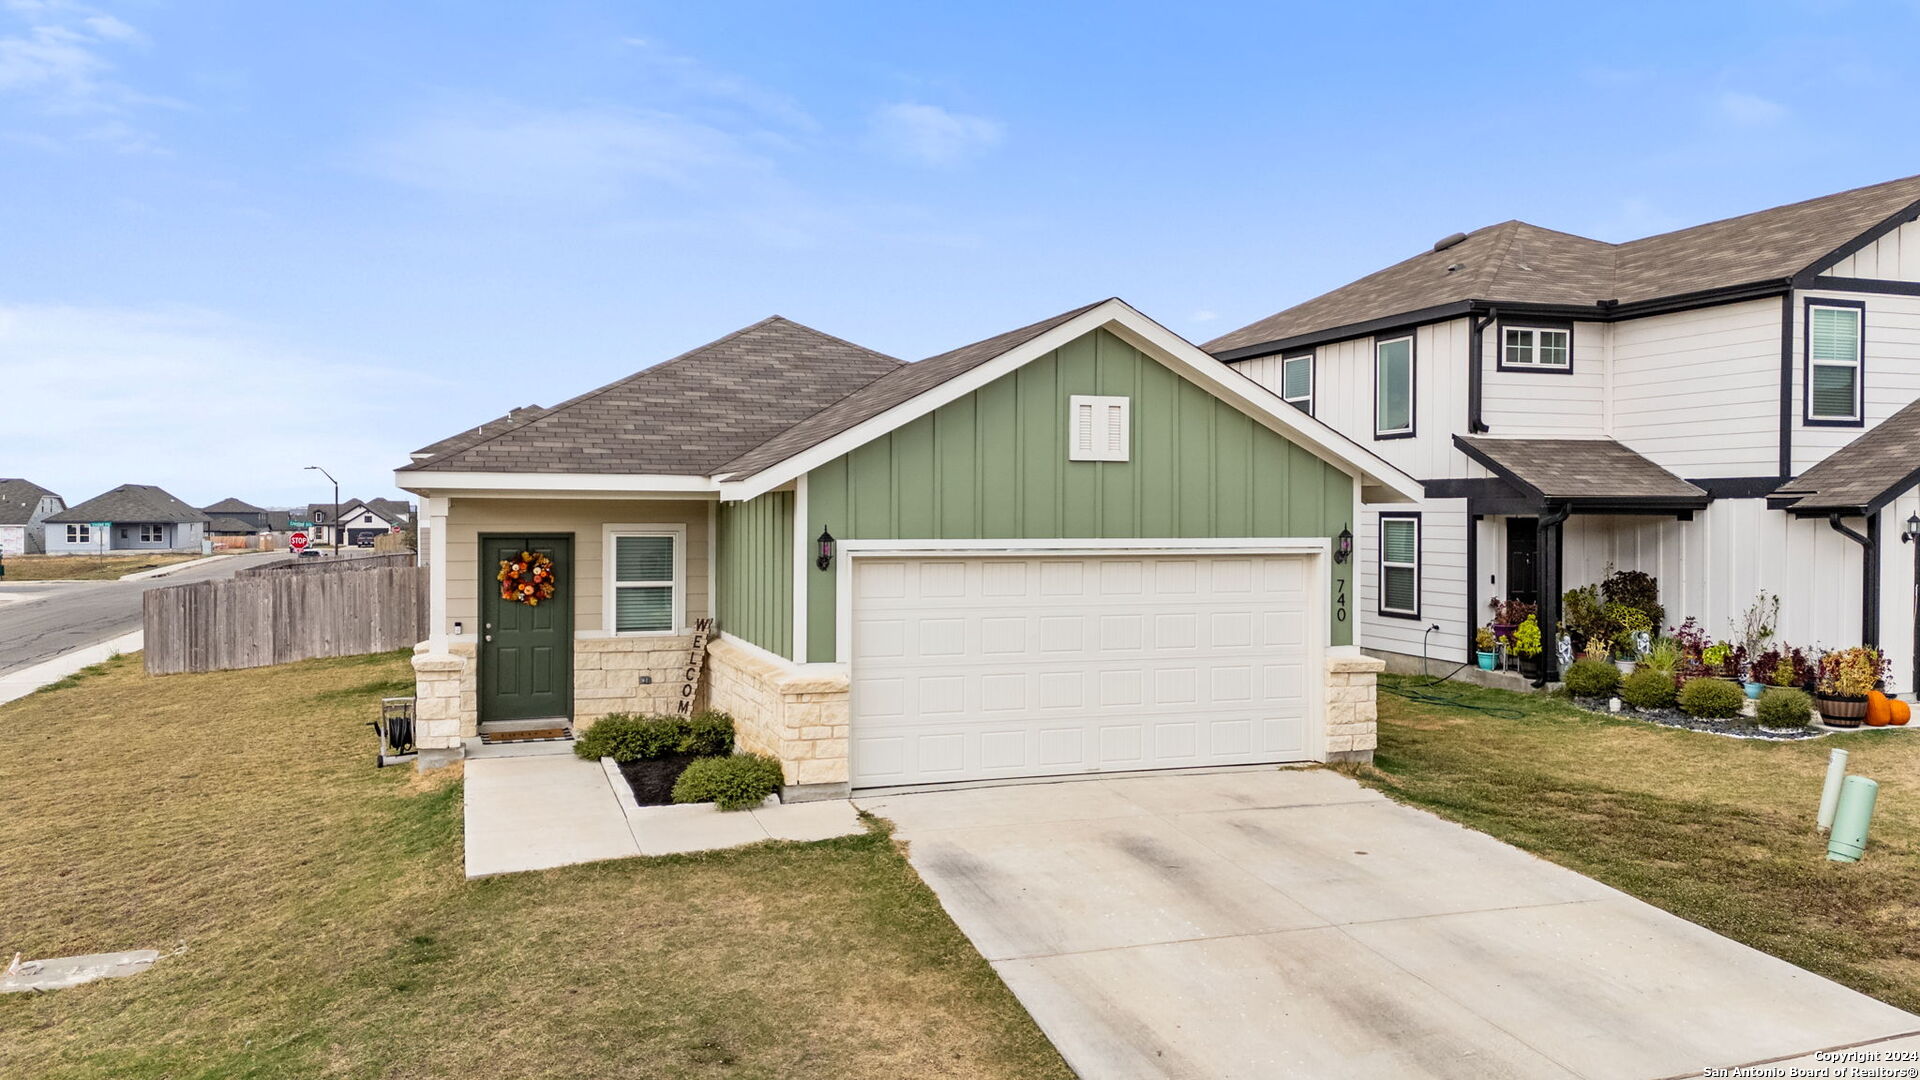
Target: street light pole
{"points": [[336, 507]]}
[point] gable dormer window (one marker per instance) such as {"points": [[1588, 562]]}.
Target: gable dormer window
{"points": [[1099, 429], [1393, 387], [1544, 347], [1835, 362]]}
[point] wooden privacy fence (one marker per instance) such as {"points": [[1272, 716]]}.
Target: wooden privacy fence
{"points": [[281, 616], [327, 564]]}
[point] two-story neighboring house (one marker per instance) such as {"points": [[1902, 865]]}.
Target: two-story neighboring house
{"points": [[1728, 407]]}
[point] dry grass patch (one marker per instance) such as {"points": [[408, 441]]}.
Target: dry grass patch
{"points": [[328, 930], [1717, 830], [89, 567]]}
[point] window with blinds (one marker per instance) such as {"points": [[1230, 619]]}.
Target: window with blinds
{"points": [[1399, 565], [1296, 382], [1833, 363], [645, 582], [1101, 428], [1393, 386]]}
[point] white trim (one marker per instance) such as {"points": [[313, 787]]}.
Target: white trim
{"points": [[1312, 362], [1143, 333], [1099, 427], [632, 485], [1383, 564], [438, 627], [1319, 549], [608, 535], [1535, 348], [799, 643], [713, 561]]}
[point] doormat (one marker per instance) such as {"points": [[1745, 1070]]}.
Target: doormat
{"points": [[550, 734]]}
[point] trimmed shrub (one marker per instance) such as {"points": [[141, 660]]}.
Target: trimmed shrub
{"points": [[735, 782], [625, 737], [1711, 699], [1647, 689], [1592, 678], [1782, 707]]}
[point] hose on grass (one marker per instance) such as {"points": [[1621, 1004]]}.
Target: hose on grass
{"points": [[1421, 693]]}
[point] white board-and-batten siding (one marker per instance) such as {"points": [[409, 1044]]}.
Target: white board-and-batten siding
{"points": [[1893, 257]]}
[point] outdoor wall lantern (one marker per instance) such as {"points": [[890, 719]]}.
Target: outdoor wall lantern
{"points": [[1343, 549], [826, 550], [1913, 529]]}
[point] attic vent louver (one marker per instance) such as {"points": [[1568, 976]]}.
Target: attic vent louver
{"points": [[1448, 241]]}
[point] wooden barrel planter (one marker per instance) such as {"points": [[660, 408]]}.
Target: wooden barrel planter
{"points": [[1841, 711]]}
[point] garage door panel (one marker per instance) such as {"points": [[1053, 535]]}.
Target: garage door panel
{"points": [[969, 667]]}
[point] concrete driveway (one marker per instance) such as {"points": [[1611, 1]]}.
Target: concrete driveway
{"points": [[1290, 923]]}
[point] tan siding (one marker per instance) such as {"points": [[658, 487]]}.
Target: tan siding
{"points": [[467, 518]]}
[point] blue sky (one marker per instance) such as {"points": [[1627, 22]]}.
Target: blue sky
{"points": [[241, 238]]}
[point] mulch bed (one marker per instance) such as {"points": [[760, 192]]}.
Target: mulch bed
{"points": [[652, 779], [1741, 727]]}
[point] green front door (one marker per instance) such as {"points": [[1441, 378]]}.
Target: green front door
{"points": [[526, 651]]}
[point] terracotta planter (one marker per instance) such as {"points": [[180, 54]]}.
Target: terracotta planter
{"points": [[1840, 711]]}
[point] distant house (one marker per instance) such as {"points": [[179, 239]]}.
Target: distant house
{"points": [[131, 517], [360, 520], [236, 517], [24, 507]]}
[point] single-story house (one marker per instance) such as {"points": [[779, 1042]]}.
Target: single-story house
{"points": [[131, 517], [24, 509], [236, 517], [1079, 546]]}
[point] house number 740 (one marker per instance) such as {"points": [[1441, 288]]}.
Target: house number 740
{"points": [[1340, 599]]}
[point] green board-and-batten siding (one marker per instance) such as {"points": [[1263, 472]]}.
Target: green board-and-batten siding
{"points": [[755, 573], [993, 465]]}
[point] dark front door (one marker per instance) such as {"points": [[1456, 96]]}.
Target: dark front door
{"points": [[526, 651], [1523, 555]]}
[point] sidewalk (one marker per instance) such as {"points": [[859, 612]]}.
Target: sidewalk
{"points": [[20, 683]]}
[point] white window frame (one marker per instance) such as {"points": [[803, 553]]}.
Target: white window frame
{"points": [[157, 535], [79, 534], [1413, 379], [1380, 582], [1858, 364], [1534, 349], [1302, 402], [609, 536], [1099, 428]]}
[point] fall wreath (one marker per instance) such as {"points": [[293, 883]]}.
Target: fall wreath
{"points": [[527, 579]]}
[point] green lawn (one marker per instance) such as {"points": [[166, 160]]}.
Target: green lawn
{"points": [[326, 928], [1717, 830]]}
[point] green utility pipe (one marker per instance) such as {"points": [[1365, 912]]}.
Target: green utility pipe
{"points": [[1830, 795], [1849, 839]]}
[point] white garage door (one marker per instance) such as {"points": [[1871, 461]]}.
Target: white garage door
{"points": [[979, 668]]}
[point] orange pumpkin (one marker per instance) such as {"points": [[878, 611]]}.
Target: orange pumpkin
{"points": [[1902, 712], [1879, 713]]}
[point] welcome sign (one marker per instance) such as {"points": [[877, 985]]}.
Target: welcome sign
{"points": [[696, 665]]}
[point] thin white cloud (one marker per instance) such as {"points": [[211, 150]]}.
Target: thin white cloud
{"points": [[497, 150], [56, 65], [932, 135], [1748, 110], [1203, 315], [683, 79], [202, 405]]}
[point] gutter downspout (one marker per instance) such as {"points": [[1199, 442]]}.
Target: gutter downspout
{"points": [[1546, 575], [1869, 575], [1476, 327]]}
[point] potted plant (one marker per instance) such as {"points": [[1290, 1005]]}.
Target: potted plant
{"points": [[1526, 643], [1846, 677], [1507, 615], [1483, 643], [1756, 632]]}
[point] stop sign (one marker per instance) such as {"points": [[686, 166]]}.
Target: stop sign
{"points": [[297, 542]]}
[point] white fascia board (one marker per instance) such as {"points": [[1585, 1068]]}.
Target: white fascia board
{"points": [[553, 485], [1142, 333]]}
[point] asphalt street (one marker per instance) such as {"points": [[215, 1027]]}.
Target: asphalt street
{"points": [[39, 620]]}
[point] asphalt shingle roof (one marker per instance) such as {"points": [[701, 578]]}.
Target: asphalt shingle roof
{"points": [[513, 418], [134, 504], [19, 499], [1865, 473], [227, 525], [689, 415], [1576, 469], [1515, 262], [887, 391], [233, 506]]}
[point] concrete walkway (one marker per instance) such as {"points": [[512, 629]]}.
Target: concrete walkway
{"points": [[555, 809], [20, 682], [1291, 923]]}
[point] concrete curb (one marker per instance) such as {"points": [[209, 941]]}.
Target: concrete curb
{"points": [[174, 568], [19, 684]]}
